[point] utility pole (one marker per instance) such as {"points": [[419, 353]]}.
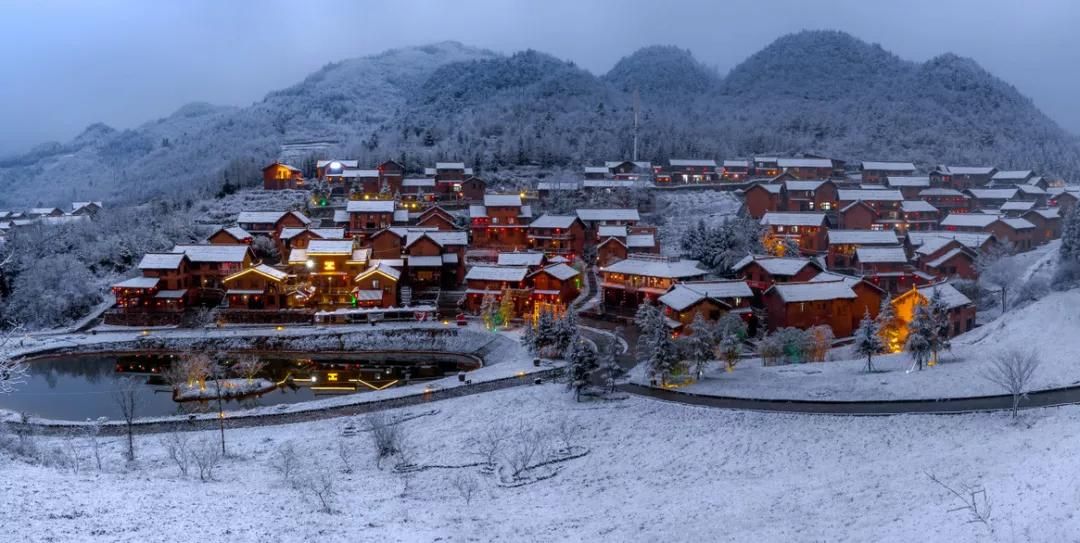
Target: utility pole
{"points": [[637, 109]]}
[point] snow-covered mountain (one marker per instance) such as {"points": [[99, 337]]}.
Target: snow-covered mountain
{"points": [[815, 91]]}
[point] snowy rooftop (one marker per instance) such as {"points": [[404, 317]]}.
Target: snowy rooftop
{"points": [[161, 261], [502, 200], [971, 220], [341, 216], [370, 206], [596, 169], [967, 170], [609, 183], [213, 253], [889, 166], [803, 185], [804, 163], [862, 237], [945, 257], [435, 261], [656, 267], [441, 237], [558, 185], [330, 247], [325, 233], [449, 165], [773, 188], [813, 291], [553, 221], [917, 206], [497, 273], [881, 255], [268, 217], [851, 195], [908, 181], [615, 214], [924, 240], [951, 297], [1017, 206], [138, 282], [1030, 189], [560, 271], [783, 267], [774, 218], [992, 194], [685, 295], [640, 241], [418, 182], [382, 267], [344, 163], [736, 163], [611, 231], [1012, 175], [941, 191], [1017, 223], [1052, 213], [691, 162], [520, 259]]}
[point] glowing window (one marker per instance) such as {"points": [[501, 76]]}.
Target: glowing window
{"points": [[328, 265]]}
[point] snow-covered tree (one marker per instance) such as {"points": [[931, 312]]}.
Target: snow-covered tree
{"points": [[939, 324], [546, 338], [506, 309], [265, 248], [489, 310], [730, 349], [655, 347], [890, 327], [1012, 370], [868, 340], [1068, 270], [818, 341], [566, 331], [582, 364], [13, 370], [248, 366], [921, 335], [998, 269], [697, 345], [528, 337]]}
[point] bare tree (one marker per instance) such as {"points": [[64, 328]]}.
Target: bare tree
{"points": [[248, 366], [387, 436], [346, 453], [206, 457], [285, 460], [525, 450], [466, 486], [13, 370], [568, 430], [973, 500], [490, 443], [128, 397], [91, 432], [997, 268], [178, 449], [320, 485], [1012, 370]]}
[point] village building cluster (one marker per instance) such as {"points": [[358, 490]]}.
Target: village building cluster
{"points": [[383, 242]]}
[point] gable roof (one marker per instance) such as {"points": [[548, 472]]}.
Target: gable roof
{"points": [[930, 241], [812, 291], [613, 214], [214, 253], [161, 261], [502, 200], [947, 255], [330, 247], [1018, 175], [560, 271], [948, 294], [656, 267], [907, 181], [881, 255], [235, 232], [804, 163], [691, 162], [862, 237], [382, 268], [611, 231], [269, 272], [138, 283], [520, 259], [370, 206], [970, 220], [870, 195], [992, 194], [553, 221], [269, 217], [778, 266], [290, 232], [497, 273], [940, 191], [967, 170], [888, 166], [686, 294], [795, 184], [787, 218]]}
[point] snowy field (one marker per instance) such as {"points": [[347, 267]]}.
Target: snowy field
{"points": [[959, 373], [655, 471], [678, 210]]}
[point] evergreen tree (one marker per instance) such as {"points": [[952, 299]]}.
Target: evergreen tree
{"points": [[921, 335], [868, 340], [506, 308], [730, 349], [889, 326], [528, 338], [1068, 271], [583, 362], [697, 345], [545, 333], [939, 324]]}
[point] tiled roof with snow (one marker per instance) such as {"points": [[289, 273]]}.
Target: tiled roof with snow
{"points": [[520, 259], [562, 272], [341, 216], [683, 295], [1017, 206], [325, 233], [945, 257], [881, 255], [970, 220], [778, 266], [1051, 213], [502, 200], [804, 163], [1030, 189], [992, 194], [813, 291], [736, 163], [1012, 175], [370, 206], [940, 191], [268, 217], [382, 267], [344, 163], [435, 261], [138, 282], [862, 237], [656, 267], [330, 247], [608, 183], [775, 218], [161, 261], [449, 165], [691, 162], [418, 182], [1017, 223], [907, 181], [616, 214], [640, 241], [773, 188], [611, 231], [803, 185], [553, 221], [930, 241], [889, 166], [497, 273], [948, 294], [870, 195], [917, 206], [967, 170], [213, 253], [596, 169], [237, 233]]}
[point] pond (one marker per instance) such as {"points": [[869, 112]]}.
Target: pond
{"points": [[78, 387]]}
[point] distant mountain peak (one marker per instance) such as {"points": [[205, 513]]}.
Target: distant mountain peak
{"points": [[661, 69]]}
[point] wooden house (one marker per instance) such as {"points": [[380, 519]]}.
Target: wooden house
{"points": [[554, 288], [691, 171], [391, 173], [211, 264], [596, 172], [761, 272], [806, 168], [473, 189], [918, 215], [961, 310], [593, 219], [230, 235], [435, 258], [291, 238], [627, 283], [735, 170], [377, 286], [333, 167], [1065, 200], [946, 200], [813, 195], [804, 305], [369, 216], [1047, 223], [280, 176], [438, 218], [558, 235], [1011, 178], [886, 204], [761, 198], [950, 260], [843, 243], [1017, 231], [325, 272], [361, 182], [270, 223], [86, 208], [710, 299], [990, 199], [888, 268], [766, 166], [877, 172], [257, 288], [488, 284], [500, 223], [164, 286], [868, 296], [961, 177], [808, 229], [909, 186]]}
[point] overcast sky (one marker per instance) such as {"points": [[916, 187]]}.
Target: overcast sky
{"points": [[67, 64]]}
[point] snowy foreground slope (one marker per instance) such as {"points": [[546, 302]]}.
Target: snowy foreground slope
{"points": [[655, 472]]}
